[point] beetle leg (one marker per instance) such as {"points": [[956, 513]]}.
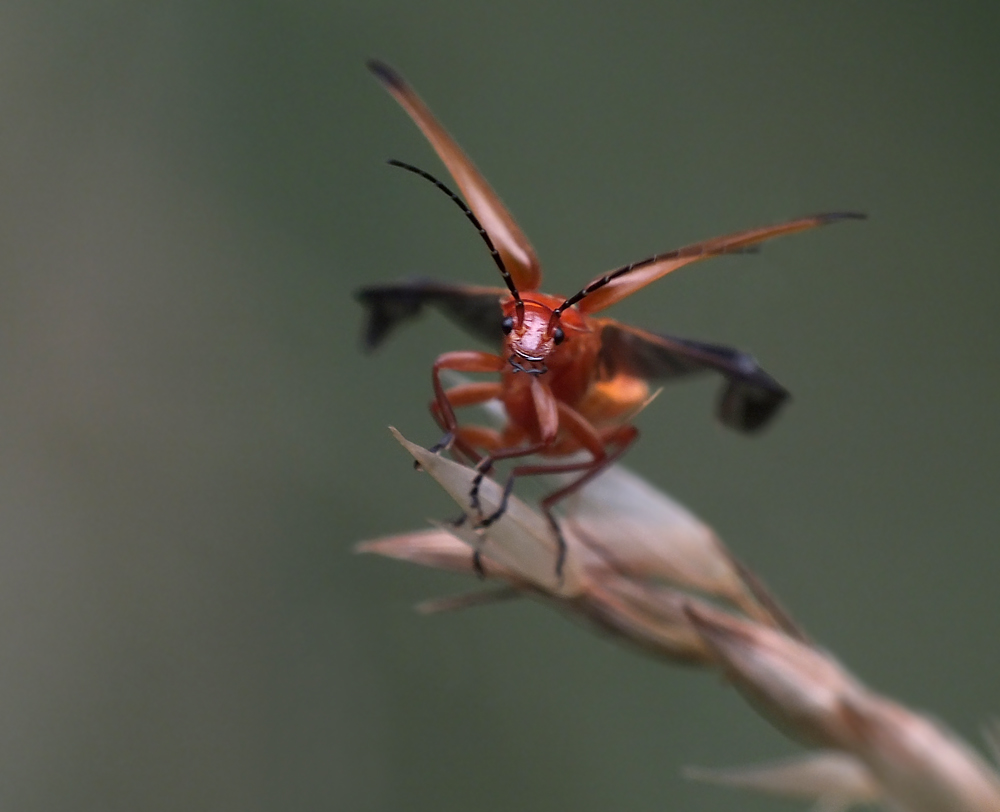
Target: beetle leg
{"points": [[576, 426], [467, 439], [621, 438], [461, 361], [597, 443], [486, 465], [442, 408], [467, 394]]}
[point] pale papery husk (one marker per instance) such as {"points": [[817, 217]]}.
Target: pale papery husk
{"points": [[830, 778], [795, 685], [521, 540], [917, 764], [617, 521], [634, 559], [921, 765], [435, 547], [612, 592], [648, 534], [650, 617]]}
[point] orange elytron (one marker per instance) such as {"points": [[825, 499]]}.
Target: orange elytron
{"points": [[569, 381]]}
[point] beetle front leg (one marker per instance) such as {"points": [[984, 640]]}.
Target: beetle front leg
{"points": [[467, 439], [461, 361]]}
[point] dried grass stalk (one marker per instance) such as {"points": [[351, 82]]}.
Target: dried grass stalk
{"points": [[642, 568]]}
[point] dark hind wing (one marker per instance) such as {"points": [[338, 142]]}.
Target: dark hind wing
{"points": [[475, 309], [750, 397]]}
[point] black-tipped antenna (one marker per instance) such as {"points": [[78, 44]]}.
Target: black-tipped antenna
{"points": [[518, 304], [688, 251], [597, 284]]}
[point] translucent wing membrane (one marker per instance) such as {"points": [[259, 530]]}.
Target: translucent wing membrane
{"points": [[475, 309], [750, 397]]}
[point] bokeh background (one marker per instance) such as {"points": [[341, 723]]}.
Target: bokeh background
{"points": [[192, 440]]}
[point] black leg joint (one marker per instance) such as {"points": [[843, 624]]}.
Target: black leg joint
{"points": [[503, 504], [445, 441]]}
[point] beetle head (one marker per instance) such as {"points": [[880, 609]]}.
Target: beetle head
{"points": [[532, 335]]}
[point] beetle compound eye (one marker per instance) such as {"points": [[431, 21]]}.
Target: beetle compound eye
{"points": [[507, 324], [558, 335]]}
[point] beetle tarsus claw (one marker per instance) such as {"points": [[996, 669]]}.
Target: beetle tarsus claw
{"points": [[442, 444]]}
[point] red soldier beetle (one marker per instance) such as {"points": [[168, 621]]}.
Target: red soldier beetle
{"points": [[569, 381]]}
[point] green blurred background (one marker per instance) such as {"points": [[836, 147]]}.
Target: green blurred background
{"points": [[192, 440]]}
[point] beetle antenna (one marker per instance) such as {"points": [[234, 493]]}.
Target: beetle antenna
{"points": [[518, 304], [597, 284], [696, 250]]}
